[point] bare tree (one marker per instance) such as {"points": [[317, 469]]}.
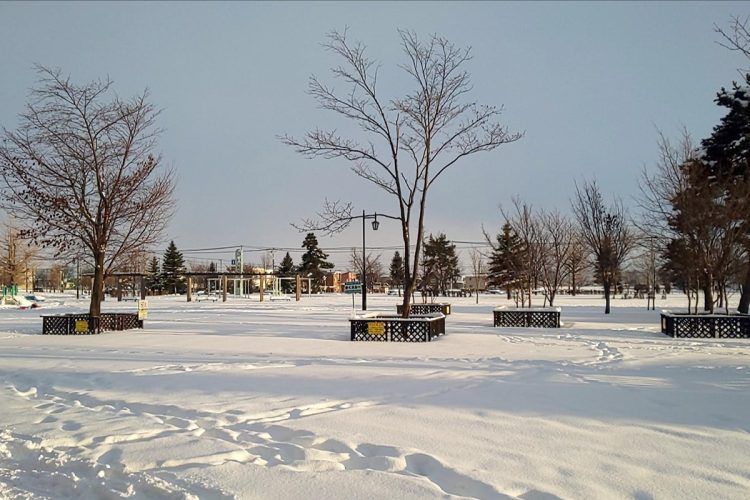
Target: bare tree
{"points": [[16, 257], [419, 136], [658, 190], [687, 214], [577, 263], [81, 173], [527, 227], [478, 267], [736, 37], [374, 266], [606, 233], [556, 244]]}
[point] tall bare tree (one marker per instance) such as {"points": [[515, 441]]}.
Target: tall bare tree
{"points": [[528, 228], [16, 258], [82, 173], [374, 266], [695, 217], [577, 262], [736, 36], [479, 268], [606, 232], [556, 245], [409, 141]]}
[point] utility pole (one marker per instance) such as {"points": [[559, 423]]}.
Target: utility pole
{"points": [[364, 265]]}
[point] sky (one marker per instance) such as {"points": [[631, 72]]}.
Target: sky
{"points": [[589, 84]]}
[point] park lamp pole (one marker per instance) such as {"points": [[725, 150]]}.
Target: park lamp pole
{"points": [[375, 225]]}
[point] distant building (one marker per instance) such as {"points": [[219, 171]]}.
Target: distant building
{"points": [[334, 282], [475, 282]]}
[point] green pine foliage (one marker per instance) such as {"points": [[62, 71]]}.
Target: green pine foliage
{"points": [[397, 270], [173, 268], [505, 261], [314, 262], [441, 267], [287, 269], [154, 281]]}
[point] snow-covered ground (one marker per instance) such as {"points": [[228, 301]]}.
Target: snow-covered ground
{"points": [[271, 400]]}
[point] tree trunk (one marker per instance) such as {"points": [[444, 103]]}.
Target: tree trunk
{"points": [[97, 287], [607, 290], [574, 283], [744, 304], [708, 295]]}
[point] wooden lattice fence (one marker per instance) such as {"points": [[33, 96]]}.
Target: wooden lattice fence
{"points": [[707, 326], [527, 318], [426, 308], [83, 324], [386, 328]]}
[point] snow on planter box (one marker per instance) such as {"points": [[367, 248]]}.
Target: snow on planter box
{"points": [[381, 327], [528, 317]]}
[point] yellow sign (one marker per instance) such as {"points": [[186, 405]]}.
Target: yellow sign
{"points": [[142, 309], [376, 328], [82, 326]]}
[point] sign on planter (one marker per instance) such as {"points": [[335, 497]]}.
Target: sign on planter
{"points": [[376, 328], [142, 309]]}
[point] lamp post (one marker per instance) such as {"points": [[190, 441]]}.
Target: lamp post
{"points": [[375, 225]]}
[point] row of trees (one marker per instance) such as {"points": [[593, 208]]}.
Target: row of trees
{"points": [[546, 249], [697, 202]]}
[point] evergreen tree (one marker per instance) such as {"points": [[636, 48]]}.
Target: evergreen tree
{"points": [[212, 267], [727, 162], [287, 270], [397, 271], [504, 269], [440, 264], [153, 276], [173, 266], [314, 262]]}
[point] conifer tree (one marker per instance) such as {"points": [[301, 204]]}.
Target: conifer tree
{"points": [[440, 264], [314, 262], [727, 162], [505, 260], [173, 266], [153, 276], [287, 269]]}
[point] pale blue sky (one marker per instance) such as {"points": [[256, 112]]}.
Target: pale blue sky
{"points": [[588, 82]]}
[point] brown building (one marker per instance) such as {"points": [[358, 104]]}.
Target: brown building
{"points": [[334, 282]]}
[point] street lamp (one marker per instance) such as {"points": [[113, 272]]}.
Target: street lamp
{"points": [[375, 226]]}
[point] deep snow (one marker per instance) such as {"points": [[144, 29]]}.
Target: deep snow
{"points": [[270, 400]]}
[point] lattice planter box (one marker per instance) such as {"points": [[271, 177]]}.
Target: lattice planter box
{"points": [[533, 317], [707, 326], [83, 324], [379, 327], [426, 308]]}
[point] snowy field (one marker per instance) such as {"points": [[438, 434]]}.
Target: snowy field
{"points": [[271, 400]]}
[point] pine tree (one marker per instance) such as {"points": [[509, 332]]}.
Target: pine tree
{"points": [[397, 271], [727, 161], [173, 266], [153, 276], [440, 264], [212, 267], [314, 262], [505, 260], [287, 270]]}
